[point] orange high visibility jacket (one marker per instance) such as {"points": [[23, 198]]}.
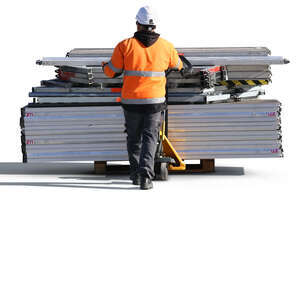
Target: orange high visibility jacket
{"points": [[144, 69]]}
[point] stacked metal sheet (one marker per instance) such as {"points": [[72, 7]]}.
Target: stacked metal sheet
{"points": [[70, 133], [73, 133], [78, 117], [241, 129], [93, 76], [243, 71], [187, 51]]}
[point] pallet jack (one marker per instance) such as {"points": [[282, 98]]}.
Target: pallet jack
{"points": [[166, 157]]}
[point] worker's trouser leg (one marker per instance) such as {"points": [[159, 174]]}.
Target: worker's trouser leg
{"points": [[142, 136]]}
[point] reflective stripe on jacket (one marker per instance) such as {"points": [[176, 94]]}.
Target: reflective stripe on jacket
{"points": [[144, 69]]}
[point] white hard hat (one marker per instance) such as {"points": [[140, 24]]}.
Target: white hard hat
{"points": [[145, 16]]}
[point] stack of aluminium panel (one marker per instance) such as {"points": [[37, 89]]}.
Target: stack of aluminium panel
{"points": [[73, 133], [245, 70], [226, 130], [237, 71], [78, 117], [94, 76], [249, 71]]}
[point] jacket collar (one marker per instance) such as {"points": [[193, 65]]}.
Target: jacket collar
{"points": [[147, 38]]}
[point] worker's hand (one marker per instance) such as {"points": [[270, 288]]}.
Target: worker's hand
{"points": [[186, 72], [103, 64]]}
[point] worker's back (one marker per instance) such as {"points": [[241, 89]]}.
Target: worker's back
{"points": [[144, 59], [154, 60]]}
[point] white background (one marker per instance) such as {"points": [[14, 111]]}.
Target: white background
{"points": [[193, 237]]}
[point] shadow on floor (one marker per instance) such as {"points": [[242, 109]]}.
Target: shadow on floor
{"points": [[88, 169], [85, 172], [219, 171], [100, 185], [46, 168]]}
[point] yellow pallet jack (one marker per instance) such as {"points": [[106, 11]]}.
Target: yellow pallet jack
{"points": [[166, 158]]}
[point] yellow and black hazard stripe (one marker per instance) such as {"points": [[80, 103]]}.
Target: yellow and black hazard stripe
{"points": [[244, 82]]}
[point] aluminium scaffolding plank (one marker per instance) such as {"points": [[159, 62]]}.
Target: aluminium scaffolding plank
{"points": [[198, 155], [248, 68], [79, 156], [122, 155], [78, 99], [61, 130], [221, 128], [93, 129], [198, 61], [235, 149], [201, 51], [247, 104], [224, 135], [69, 139], [179, 145], [100, 145], [187, 144]]}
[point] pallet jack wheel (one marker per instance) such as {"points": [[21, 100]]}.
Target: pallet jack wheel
{"points": [[161, 171]]}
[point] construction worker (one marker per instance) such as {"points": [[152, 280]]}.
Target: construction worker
{"points": [[143, 58]]}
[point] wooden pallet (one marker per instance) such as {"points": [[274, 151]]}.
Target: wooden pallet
{"points": [[205, 166]]}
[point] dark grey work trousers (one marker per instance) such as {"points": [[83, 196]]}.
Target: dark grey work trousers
{"points": [[142, 137]]}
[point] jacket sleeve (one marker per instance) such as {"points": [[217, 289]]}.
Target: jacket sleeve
{"points": [[114, 67], [175, 61]]}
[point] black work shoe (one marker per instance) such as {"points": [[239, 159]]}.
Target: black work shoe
{"points": [[146, 183], [136, 180]]}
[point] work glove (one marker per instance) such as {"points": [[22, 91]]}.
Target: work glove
{"points": [[186, 72], [187, 69], [103, 64]]}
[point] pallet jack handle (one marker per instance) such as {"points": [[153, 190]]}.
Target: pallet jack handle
{"points": [[187, 66]]}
